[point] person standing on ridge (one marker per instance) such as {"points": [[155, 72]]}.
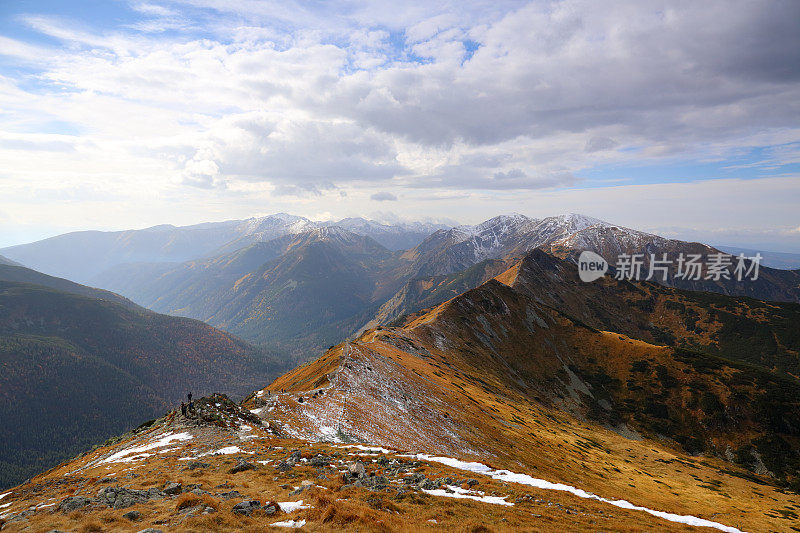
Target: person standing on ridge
{"points": [[183, 409], [189, 396]]}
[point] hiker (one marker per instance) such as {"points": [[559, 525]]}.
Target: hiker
{"points": [[190, 397], [183, 409], [190, 408]]}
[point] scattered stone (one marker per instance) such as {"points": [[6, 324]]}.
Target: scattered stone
{"points": [[356, 468], [73, 503], [230, 495], [270, 508], [241, 466], [133, 516], [150, 530], [173, 488], [246, 507], [108, 480], [209, 510], [472, 482], [284, 466], [119, 498], [196, 464], [319, 461]]}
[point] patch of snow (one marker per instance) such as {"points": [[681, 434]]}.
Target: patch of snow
{"points": [[5, 505], [4, 495], [524, 479], [373, 449], [132, 454], [288, 507], [465, 494], [289, 523]]}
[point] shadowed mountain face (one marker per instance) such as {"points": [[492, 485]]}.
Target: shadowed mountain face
{"points": [[77, 370]]}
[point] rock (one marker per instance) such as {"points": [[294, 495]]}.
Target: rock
{"points": [[472, 482], [230, 495], [150, 530], [319, 461], [383, 461], [209, 510], [108, 480], [196, 464], [356, 468], [285, 466], [299, 490], [133, 516], [73, 503], [173, 488], [246, 507], [241, 466], [119, 498], [270, 508]]}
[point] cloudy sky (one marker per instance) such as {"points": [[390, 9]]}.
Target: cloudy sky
{"points": [[681, 118]]}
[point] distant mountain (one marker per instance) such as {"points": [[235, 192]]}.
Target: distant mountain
{"points": [[399, 236], [18, 273], [782, 260], [83, 255], [7, 261], [511, 237], [296, 293], [77, 370]]}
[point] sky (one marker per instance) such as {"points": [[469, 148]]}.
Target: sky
{"points": [[678, 118]]}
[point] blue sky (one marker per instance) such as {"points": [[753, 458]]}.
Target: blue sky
{"points": [[668, 117]]}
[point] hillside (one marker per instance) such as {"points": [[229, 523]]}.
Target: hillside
{"points": [[77, 370], [20, 274]]}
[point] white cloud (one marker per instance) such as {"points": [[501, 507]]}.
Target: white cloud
{"points": [[290, 103]]}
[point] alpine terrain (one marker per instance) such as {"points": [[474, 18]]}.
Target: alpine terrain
{"points": [[534, 401]]}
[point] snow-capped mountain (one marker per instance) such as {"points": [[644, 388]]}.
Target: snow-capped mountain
{"points": [[83, 255]]}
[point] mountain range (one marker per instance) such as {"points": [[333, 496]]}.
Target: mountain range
{"points": [[296, 286], [82, 255], [534, 401]]}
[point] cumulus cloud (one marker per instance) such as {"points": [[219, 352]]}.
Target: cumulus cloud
{"points": [[383, 196], [294, 100]]}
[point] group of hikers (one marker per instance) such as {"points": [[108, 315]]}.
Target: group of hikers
{"points": [[188, 410]]}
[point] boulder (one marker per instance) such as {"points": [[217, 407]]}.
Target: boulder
{"points": [[73, 503], [173, 488], [133, 516], [270, 508], [241, 466], [356, 468], [246, 507]]}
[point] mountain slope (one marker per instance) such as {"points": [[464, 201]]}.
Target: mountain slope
{"points": [[76, 370], [18, 273], [7, 261]]}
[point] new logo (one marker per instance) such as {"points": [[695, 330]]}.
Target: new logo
{"points": [[591, 266]]}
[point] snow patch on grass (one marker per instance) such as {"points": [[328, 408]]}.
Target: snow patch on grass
{"points": [[524, 479], [137, 452], [289, 523], [458, 492], [288, 507]]}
